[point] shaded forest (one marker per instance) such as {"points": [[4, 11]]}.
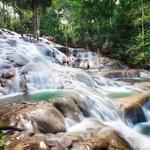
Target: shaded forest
{"points": [[117, 28]]}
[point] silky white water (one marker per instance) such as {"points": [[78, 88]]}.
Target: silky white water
{"points": [[34, 68]]}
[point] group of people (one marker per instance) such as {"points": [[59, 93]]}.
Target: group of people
{"points": [[76, 62], [68, 61]]}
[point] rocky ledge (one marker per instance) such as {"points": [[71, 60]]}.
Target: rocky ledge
{"points": [[132, 107], [43, 126]]}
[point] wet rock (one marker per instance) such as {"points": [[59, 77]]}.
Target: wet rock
{"points": [[5, 90], [12, 42], [55, 145], [45, 119], [34, 118], [68, 108], [9, 73], [67, 139], [33, 67], [3, 36], [5, 65], [87, 125], [18, 60], [145, 86], [26, 144], [23, 83], [107, 140], [82, 106], [132, 107], [121, 73]]}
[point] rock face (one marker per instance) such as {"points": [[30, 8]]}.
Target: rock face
{"points": [[35, 118], [111, 63], [8, 73], [102, 140], [41, 126], [132, 107], [47, 120], [108, 140], [121, 73], [68, 108]]}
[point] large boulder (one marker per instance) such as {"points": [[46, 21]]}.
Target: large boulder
{"points": [[7, 73], [68, 108], [45, 119], [105, 140], [132, 107], [34, 118]]}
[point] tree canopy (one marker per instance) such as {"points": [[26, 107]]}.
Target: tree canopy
{"points": [[118, 28]]}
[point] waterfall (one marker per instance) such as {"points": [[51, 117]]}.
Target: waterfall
{"points": [[36, 69]]}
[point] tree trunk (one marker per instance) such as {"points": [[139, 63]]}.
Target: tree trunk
{"points": [[38, 22], [34, 23], [142, 5]]}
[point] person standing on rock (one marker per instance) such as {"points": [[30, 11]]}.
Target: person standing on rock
{"points": [[53, 54], [88, 65], [78, 61]]}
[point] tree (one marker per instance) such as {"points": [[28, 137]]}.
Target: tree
{"points": [[36, 6]]}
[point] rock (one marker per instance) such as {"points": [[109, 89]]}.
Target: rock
{"points": [[23, 83], [82, 106], [68, 108], [108, 140], [3, 37], [33, 118], [55, 145], [12, 42], [145, 86], [24, 143], [8, 73], [43, 118], [87, 125], [5, 65], [121, 73], [18, 60], [67, 139], [132, 107], [111, 63]]}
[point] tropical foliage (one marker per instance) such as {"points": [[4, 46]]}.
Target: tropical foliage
{"points": [[118, 28]]}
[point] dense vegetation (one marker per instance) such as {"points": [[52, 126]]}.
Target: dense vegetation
{"points": [[118, 28], [2, 138]]}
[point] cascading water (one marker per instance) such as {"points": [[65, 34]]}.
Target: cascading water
{"points": [[36, 69]]}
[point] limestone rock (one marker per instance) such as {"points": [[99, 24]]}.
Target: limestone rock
{"points": [[18, 60], [121, 73], [8, 73], [132, 107], [68, 108], [45, 119], [108, 140]]}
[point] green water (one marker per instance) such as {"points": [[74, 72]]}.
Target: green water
{"points": [[133, 79], [44, 95], [122, 94]]}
